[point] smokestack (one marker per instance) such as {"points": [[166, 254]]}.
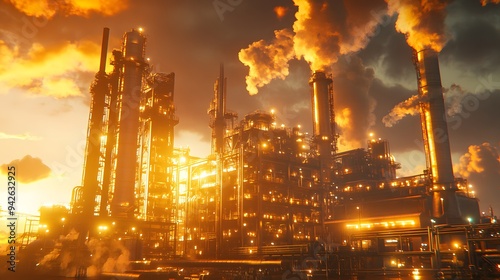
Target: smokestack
{"points": [[98, 91], [126, 162], [435, 134], [104, 49], [220, 111], [323, 121]]}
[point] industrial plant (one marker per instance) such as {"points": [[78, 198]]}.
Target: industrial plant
{"points": [[269, 200]]}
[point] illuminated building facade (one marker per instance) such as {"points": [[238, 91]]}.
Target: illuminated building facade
{"points": [[270, 194]]}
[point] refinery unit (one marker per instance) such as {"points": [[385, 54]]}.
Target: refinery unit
{"points": [[267, 192]]}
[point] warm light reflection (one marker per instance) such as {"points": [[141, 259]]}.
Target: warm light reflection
{"points": [[384, 224]]}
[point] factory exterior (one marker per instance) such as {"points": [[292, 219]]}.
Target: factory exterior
{"points": [[267, 192]]}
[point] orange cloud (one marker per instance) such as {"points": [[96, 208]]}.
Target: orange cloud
{"points": [[324, 30], [280, 11], [267, 61], [479, 159], [28, 169], [48, 8], [485, 2], [52, 72], [25, 136], [421, 21]]}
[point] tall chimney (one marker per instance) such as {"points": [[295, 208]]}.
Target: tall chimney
{"points": [[98, 90], [323, 122], [220, 111], [435, 134], [131, 86], [104, 49]]}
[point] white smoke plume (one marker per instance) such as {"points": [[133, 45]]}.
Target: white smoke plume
{"points": [[409, 107], [453, 99], [105, 256]]}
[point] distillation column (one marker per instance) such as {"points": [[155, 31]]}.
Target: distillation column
{"points": [[123, 203]]}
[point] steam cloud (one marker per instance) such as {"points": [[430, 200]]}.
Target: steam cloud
{"points": [[29, 169], [421, 21], [267, 61], [324, 30], [106, 256], [50, 72], [453, 98], [481, 166], [48, 8], [409, 107]]}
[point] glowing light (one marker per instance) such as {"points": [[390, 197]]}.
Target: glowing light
{"points": [[182, 160], [140, 29], [103, 228]]}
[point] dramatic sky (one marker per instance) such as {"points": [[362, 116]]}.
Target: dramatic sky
{"points": [[49, 53]]}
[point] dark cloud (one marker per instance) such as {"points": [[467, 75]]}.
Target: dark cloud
{"points": [[28, 169], [354, 105], [481, 166], [474, 123], [404, 136], [388, 50], [474, 36]]}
